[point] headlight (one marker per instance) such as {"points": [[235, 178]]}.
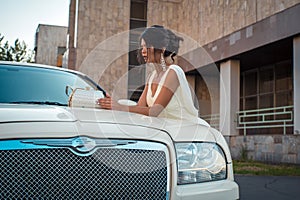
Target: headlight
{"points": [[200, 162]]}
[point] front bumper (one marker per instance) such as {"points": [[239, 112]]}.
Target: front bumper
{"points": [[225, 189]]}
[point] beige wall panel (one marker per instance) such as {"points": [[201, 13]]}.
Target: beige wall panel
{"points": [[266, 8], [164, 13], [98, 21], [209, 20]]}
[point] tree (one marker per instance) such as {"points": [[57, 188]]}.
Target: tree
{"points": [[18, 52]]}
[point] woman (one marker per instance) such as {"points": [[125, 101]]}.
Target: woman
{"points": [[167, 93]]}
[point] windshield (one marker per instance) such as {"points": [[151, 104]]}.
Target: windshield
{"points": [[25, 84]]}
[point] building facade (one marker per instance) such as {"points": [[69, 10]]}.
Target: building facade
{"points": [[50, 44], [241, 57]]}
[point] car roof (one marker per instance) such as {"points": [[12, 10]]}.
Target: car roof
{"points": [[36, 65]]}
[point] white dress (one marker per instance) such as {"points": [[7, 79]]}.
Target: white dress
{"points": [[181, 105]]}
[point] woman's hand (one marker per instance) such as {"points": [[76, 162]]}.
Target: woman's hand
{"points": [[109, 104], [106, 102]]}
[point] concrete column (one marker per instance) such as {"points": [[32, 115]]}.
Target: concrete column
{"points": [[296, 85], [229, 96], [71, 57]]}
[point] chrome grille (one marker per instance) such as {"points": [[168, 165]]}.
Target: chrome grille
{"points": [[108, 173]]}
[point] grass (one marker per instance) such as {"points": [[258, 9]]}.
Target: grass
{"points": [[257, 168]]}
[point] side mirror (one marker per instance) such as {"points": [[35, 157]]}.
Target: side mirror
{"points": [[68, 90]]}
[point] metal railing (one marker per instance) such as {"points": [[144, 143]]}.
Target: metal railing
{"points": [[278, 117], [265, 118], [213, 120]]}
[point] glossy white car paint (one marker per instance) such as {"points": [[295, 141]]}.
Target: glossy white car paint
{"points": [[32, 121]]}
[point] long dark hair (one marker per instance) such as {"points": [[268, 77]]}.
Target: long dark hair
{"points": [[160, 38]]}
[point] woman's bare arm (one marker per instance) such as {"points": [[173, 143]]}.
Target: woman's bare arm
{"points": [[166, 93], [142, 100]]}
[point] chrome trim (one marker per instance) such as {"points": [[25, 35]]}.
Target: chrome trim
{"points": [[79, 144], [85, 146]]}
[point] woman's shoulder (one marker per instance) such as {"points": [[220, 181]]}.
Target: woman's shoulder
{"points": [[177, 69]]}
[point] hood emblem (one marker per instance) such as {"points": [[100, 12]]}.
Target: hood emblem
{"points": [[79, 144], [83, 144]]}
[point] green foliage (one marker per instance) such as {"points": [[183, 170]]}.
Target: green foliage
{"points": [[18, 52], [259, 168]]}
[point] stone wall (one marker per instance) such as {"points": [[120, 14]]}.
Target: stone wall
{"points": [[266, 148], [209, 20], [96, 55]]}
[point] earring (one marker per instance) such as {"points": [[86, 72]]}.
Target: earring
{"points": [[162, 62]]}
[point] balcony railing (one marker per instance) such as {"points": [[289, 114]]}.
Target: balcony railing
{"points": [[265, 118], [213, 120], [278, 117]]}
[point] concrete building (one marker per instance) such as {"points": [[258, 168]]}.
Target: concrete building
{"points": [[50, 44], [243, 62]]}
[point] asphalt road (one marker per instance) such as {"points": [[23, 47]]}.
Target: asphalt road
{"points": [[268, 187]]}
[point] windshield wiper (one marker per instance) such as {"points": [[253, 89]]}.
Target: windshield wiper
{"points": [[40, 103]]}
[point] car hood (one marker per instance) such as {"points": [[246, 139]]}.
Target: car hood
{"points": [[15, 113], [33, 113]]}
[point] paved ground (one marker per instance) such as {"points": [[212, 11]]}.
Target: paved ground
{"points": [[268, 187]]}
